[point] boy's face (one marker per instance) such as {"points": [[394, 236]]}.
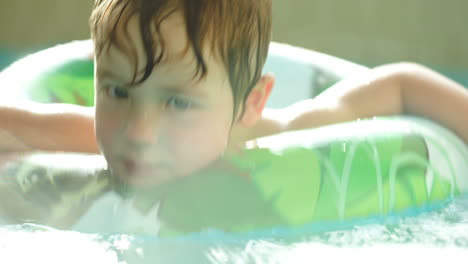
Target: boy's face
{"points": [[169, 126]]}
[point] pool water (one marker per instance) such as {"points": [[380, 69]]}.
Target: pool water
{"points": [[440, 235]]}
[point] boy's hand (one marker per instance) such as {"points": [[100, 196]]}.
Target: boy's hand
{"points": [[34, 190]]}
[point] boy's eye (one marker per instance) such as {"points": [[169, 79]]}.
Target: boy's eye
{"points": [[117, 92], [177, 103]]}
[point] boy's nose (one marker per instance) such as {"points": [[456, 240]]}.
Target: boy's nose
{"points": [[143, 126]]}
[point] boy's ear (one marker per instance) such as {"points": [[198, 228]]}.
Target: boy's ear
{"points": [[256, 100]]}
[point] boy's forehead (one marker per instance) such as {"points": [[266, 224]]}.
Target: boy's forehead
{"points": [[177, 50], [172, 37], [175, 75], [115, 64]]}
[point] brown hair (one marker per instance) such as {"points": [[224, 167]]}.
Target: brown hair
{"points": [[239, 32]]}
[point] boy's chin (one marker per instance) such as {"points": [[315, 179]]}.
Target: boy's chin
{"points": [[143, 180]]}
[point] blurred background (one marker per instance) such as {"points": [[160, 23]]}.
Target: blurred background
{"points": [[369, 32]]}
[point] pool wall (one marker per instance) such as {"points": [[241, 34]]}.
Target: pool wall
{"points": [[430, 32]]}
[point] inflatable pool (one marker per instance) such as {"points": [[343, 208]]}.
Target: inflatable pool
{"points": [[305, 182]]}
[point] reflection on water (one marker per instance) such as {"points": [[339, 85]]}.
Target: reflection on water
{"points": [[434, 236]]}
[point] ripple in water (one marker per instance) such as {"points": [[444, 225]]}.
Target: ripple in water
{"points": [[439, 236]]}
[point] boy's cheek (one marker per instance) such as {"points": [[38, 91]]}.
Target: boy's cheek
{"points": [[202, 144], [106, 129]]}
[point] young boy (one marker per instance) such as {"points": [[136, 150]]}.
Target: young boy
{"points": [[178, 84]]}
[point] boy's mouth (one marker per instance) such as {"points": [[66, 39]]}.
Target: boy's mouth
{"points": [[136, 171], [135, 166]]}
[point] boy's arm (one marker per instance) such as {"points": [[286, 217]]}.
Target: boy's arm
{"points": [[394, 89], [51, 127]]}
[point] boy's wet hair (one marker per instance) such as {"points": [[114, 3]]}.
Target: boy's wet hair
{"points": [[238, 31]]}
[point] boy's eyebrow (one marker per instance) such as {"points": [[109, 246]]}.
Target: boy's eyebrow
{"points": [[106, 73], [187, 88]]}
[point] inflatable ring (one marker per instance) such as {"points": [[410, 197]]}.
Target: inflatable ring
{"points": [[343, 172]]}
